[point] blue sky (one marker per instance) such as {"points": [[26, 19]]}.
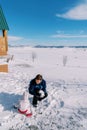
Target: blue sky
{"points": [[46, 22]]}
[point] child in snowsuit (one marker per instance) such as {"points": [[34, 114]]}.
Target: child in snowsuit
{"points": [[37, 84], [23, 105]]}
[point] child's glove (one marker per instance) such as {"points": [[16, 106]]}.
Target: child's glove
{"points": [[40, 99], [46, 94]]}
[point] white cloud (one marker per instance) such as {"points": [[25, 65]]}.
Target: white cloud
{"points": [[60, 32], [14, 38], [68, 36], [77, 13], [82, 32]]}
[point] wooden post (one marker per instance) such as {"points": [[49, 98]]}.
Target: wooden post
{"points": [[5, 36]]}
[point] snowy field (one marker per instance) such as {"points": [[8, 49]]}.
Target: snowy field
{"points": [[65, 71]]}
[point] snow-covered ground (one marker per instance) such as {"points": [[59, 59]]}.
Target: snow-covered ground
{"points": [[65, 71]]}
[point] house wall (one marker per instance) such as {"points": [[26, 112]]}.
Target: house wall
{"points": [[3, 50], [3, 44], [4, 68]]}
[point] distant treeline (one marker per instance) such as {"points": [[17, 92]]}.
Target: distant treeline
{"points": [[39, 46], [43, 46]]}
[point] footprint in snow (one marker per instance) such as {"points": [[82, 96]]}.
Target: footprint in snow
{"points": [[61, 104]]}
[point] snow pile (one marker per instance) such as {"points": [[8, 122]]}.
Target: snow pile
{"points": [[65, 108]]}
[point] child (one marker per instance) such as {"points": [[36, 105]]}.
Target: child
{"points": [[37, 84], [23, 105]]}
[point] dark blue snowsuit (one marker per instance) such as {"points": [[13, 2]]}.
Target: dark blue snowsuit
{"points": [[35, 88]]}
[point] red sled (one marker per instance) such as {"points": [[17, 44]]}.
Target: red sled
{"points": [[24, 112]]}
